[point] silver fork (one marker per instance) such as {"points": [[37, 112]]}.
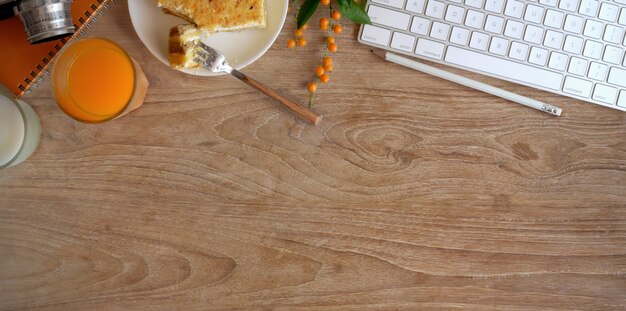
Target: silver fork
{"points": [[215, 61]]}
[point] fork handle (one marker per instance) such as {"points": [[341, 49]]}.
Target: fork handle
{"points": [[298, 109]]}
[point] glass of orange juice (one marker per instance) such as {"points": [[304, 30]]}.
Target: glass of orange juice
{"points": [[94, 80]]}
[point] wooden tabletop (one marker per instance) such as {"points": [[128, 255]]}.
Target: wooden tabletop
{"points": [[413, 193]]}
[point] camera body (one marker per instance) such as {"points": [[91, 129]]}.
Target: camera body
{"points": [[44, 20]]}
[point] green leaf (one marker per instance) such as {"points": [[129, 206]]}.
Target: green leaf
{"points": [[306, 11], [354, 11]]}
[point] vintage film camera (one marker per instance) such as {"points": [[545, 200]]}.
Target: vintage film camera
{"points": [[44, 20]]}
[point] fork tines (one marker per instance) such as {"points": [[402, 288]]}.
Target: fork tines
{"points": [[210, 58]]}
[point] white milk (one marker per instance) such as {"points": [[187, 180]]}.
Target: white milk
{"points": [[19, 131], [12, 130]]}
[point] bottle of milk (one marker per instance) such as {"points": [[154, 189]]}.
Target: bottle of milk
{"points": [[19, 129]]}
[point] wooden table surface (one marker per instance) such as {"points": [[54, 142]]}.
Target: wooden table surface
{"points": [[413, 193]]}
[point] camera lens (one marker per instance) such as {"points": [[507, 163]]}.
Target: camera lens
{"points": [[45, 20]]}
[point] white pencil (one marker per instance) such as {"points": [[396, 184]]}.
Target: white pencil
{"points": [[553, 110]]}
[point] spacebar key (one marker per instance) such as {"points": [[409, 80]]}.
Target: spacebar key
{"points": [[504, 68]]}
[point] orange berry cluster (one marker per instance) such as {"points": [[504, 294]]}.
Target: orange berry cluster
{"points": [[327, 24], [322, 72], [299, 40]]}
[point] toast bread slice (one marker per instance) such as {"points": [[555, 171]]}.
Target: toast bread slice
{"points": [[219, 15], [182, 41]]}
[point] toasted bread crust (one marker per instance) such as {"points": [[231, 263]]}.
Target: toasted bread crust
{"points": [[218, 15], [167, 11]]}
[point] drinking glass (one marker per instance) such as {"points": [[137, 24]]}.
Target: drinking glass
{"points": [[19, 129], [94, 80]]}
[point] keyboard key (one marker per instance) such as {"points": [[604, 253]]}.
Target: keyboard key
{"points": [[415, 6], [577, 66], [548, 2], [435, 9], [402, 42], [459, 35], [570, 5], [613, 54], [538, 56], [598, 71], [577, 87], [479, 41], [554, 19], [474, 3], [605, 94], [474, 19], [388, 17], [375, 35], [588, 7], [393, 3], [593, 49], [558, 61], [494, 6], [420, 26], [617, 76], [494, 24], [513, 29], [622, 17], [533, 13], [553, 39], [518, 51], [514, 8], [504, 68], [499, 46], [573, 23], [429, 48], [533, 34], [455, 14], [573, 44], [440, 31], [593, 29], [621, 101], [608, 12], [613, 34]]}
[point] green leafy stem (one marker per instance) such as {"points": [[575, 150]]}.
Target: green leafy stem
{"points": [[349, 8]]}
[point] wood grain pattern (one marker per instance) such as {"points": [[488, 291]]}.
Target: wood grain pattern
{"points": [[413, 193]]}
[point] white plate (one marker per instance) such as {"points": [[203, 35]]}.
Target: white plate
{"points": [[241, 48]]}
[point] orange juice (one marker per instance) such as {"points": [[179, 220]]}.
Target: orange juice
{"points": [[94, 80]]}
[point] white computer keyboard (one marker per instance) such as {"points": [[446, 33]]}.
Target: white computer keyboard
{"points": [[574, 48]]}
